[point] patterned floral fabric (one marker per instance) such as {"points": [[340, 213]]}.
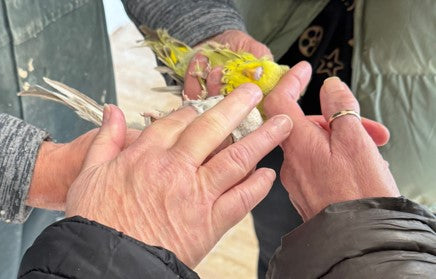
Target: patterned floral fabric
{"points": [[327, 44]]}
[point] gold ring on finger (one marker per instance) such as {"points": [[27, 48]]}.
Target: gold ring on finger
{"points": [[342, 113]]}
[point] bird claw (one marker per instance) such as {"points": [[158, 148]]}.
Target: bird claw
{"points": [[203, 94], [201, 75], [150, 117], [184, 96]]}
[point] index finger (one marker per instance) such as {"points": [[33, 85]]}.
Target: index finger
{"points": [[211, 128], [283, 98]]}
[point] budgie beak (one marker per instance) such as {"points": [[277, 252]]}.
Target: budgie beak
{"points": [[254, 74]]}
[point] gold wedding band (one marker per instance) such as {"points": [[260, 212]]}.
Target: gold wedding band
{"points": [[342, 113]]}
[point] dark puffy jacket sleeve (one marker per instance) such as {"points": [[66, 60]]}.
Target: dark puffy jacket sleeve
{"points": [[370, 238], [191, 21], [19, 145], [78, 248]]}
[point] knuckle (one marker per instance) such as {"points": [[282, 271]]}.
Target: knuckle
{"points": [[183, 155], [171, 167], [297, 80], [240, 156], [251, 87], [354, 148], [346, 101], [104, 140], [269, 138], [264, 179], [100, 140], [207, 179], [171, 123], [297, 86], [246, 198], [215, 121], [198, 59], [247, 95], [154, 132], [271, 102]]}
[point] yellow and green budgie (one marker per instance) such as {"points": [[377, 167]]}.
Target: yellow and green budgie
{"points": [[238, 68]]}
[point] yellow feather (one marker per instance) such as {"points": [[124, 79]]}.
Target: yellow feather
{"points": [[238, 68]]}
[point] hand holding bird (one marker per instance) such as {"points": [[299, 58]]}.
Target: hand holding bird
{"points": [[237, 41], [238, 67]]}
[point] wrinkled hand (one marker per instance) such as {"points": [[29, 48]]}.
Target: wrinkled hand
{"points": [[237, 41], [57, 166], [240, 41], [322, 165], [164, 190]]}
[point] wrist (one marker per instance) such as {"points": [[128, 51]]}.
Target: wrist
{"points": [[56, 167], [46, 187], [218, 37]]}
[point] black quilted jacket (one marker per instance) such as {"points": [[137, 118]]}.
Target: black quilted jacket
{"points": [[371, 238]]}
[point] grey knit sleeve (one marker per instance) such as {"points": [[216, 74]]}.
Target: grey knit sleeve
{"points": [[19, 144], [190, 21]]}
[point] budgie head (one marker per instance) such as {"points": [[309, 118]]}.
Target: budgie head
{"points": [[262, 72], [238, 67]]}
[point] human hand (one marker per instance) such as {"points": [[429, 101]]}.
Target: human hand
{"points": [[57, 166], [164, 190], [237, 41], [322, 165]]}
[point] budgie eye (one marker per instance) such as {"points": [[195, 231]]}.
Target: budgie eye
{"points": [[255, 73]]}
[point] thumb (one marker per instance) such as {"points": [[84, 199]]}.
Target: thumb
{"points": [[259, 50], [109, 140]]}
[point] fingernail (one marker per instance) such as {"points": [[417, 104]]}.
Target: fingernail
{"points": [[282, 123], [270, 175], [215, 77], [305, 67], [333, 84], [201, 58], [267, 56], [253, 90], [106, 113]]}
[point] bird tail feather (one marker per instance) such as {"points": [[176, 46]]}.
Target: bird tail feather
{"points": [[82, 105]]}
